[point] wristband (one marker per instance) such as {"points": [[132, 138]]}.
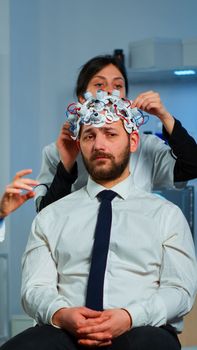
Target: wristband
{"points": [[1, 221]]}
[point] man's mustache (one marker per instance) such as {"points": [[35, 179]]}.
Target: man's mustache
{"points": [[99, 154]]}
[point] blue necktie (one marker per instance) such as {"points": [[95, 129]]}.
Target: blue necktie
{"points": [[94, 297]]}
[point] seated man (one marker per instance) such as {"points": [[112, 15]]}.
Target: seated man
{"points": [[122, 281]]}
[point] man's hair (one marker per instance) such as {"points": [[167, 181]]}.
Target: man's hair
{"points": [[93, 66]]}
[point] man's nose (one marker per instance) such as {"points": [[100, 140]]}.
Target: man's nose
{"points": [[99, 142]]}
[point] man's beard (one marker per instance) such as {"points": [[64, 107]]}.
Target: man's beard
{"points": [[113, 172]]}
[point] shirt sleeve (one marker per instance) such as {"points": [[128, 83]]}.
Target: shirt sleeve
{"points": [[157, 162], [184, 149], [40, 297], [178, 277], [2, 230]]}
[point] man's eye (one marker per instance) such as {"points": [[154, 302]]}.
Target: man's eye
{"points": [[88, 137], [111, 134]]}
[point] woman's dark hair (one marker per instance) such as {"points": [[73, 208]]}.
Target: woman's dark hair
{"points": [[93, 66]]}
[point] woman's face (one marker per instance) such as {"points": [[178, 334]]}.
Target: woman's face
{"points": [[107, 79]]}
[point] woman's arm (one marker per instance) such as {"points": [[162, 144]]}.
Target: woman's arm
{"points": [[184, 147], [60, 186], [184, 150], [58, 170]]}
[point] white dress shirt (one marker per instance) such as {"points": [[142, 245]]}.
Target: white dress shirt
{"points": [[151, 267], [2, 230], [152, 166]]}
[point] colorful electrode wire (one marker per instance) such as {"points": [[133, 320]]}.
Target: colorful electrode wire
{"points": [[103, 109]]}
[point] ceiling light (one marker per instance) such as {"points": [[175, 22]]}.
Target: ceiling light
{"points": [[185, 72]]}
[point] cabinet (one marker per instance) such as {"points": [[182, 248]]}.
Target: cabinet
{"points": [[144, 75]]}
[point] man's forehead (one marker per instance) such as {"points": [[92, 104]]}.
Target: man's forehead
{"points": [[117, 125]]}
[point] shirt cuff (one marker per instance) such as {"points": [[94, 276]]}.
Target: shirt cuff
{"points": [[149, 312], [54, 325], [53, 308], [2, 230], [166, 135]]}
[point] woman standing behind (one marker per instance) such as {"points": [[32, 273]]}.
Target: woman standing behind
{"points": [[154, 165]]}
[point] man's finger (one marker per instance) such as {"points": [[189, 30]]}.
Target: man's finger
{"points": [[101, 326]]}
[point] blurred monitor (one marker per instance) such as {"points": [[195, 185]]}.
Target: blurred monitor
{"points": [[184, 199]]}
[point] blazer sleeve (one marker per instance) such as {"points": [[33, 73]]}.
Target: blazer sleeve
{"points": [[184, 150]]}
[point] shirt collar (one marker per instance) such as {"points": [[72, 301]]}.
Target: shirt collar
{"points": [[123, 188]]}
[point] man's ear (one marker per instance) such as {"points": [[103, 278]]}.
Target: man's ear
{"points": [[134, 140]]}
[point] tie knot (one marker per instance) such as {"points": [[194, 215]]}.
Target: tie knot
{"points": [[106, 195]]}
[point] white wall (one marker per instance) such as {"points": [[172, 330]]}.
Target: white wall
{"points": [[4, 92], [4, 103], [4, 153], [50, 40]]}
